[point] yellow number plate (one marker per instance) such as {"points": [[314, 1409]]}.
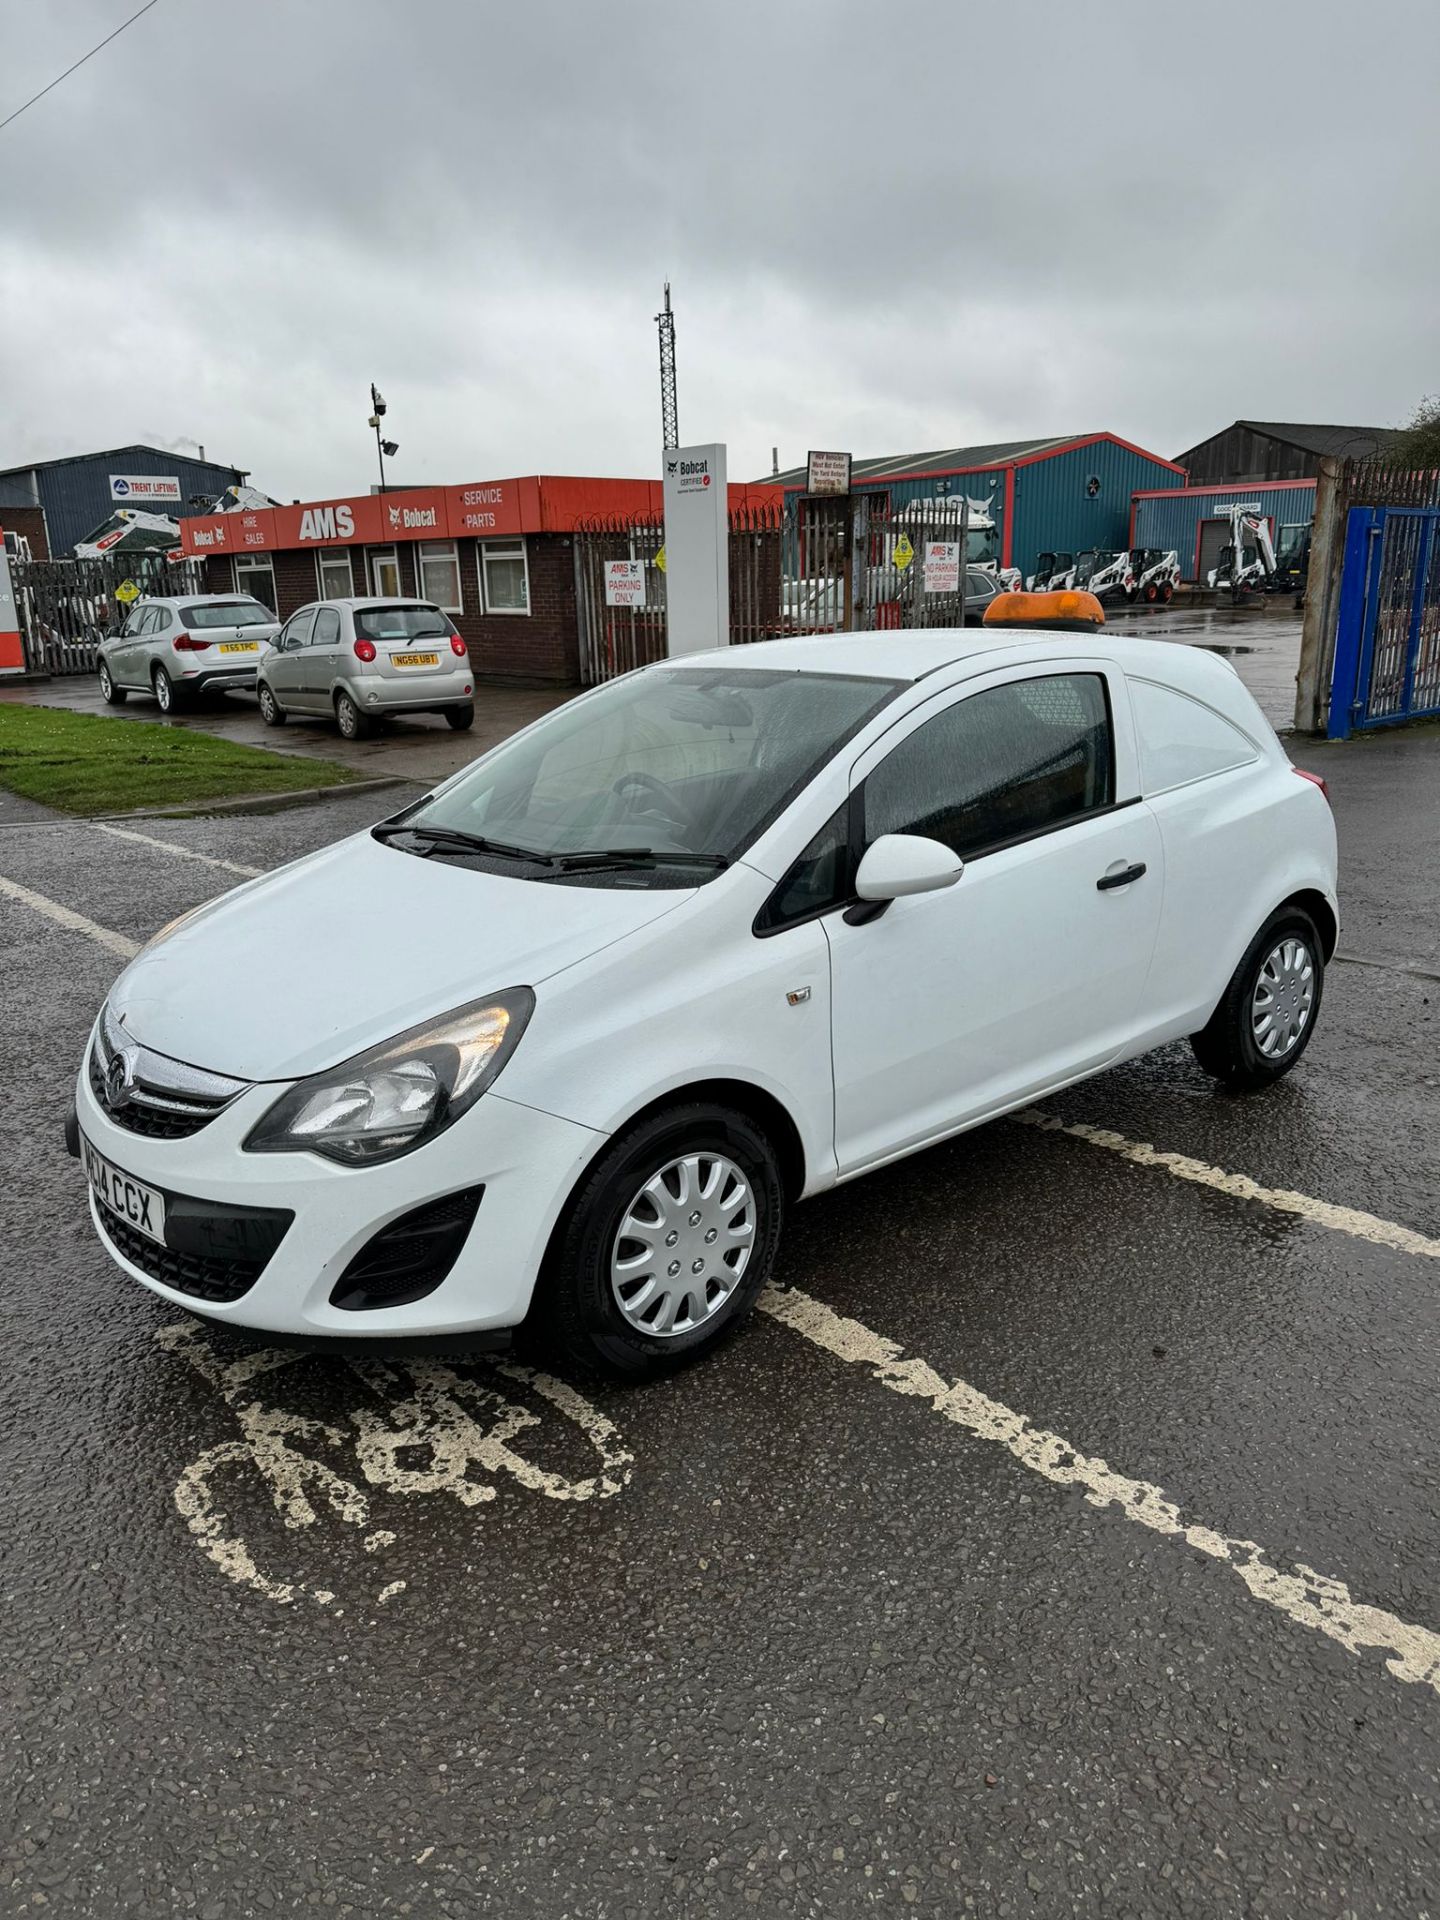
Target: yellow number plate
{"points": [[414, 659], [239, 646]]}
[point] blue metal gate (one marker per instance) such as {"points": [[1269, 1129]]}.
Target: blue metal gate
{"points": [[1387, 640]]}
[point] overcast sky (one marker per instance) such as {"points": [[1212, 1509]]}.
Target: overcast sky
{"points": [[887, 229]]}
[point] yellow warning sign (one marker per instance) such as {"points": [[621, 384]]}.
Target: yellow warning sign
{"points": [[660, 559], [126, 592], [904, 552]]}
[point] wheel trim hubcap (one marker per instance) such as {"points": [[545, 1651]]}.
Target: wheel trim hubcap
{"points": [[683, 1244], [1284, 997]]}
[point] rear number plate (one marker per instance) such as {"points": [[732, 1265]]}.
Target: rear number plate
{"points": [[239, 646], [414, 659], [121, 1193]]}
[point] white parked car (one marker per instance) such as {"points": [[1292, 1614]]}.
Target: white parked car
{"points": [[177, 645], [569, 1036]]}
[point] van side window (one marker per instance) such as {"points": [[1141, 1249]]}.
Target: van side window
{"points": [[999, 766], [1182, 739]]}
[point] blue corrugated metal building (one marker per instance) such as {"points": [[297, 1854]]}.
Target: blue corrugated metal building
{"points": [[1195, 520], [76, 492], [1065, 493]]}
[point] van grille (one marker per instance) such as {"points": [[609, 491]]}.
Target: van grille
{"points": [[147, 1092]]}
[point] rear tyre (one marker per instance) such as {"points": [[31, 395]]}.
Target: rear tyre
{"points": [[167, 694], [665, 1244], [271, 711], [460, 719], [1268, 1012], [353, 724], [1167, 594], [112, 695]]}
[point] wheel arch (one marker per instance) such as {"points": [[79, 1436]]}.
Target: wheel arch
{"points": [[1310, 900]]}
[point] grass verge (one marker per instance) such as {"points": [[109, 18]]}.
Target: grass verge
{"points": [[85, 763]]}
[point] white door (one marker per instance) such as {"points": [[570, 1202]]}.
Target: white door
{"points": [[1032, 968], [385, 573]]}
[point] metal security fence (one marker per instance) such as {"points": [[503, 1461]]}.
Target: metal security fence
{"points": [[614, 638], [814, 566], [1387, 621], [67, 607]]}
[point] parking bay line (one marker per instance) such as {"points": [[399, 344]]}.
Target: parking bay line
{"points": [[181, 853], [119, 944], [1309, 1598], [1239, 1186]]}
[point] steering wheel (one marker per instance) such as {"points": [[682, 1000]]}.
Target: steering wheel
{"points": [[669, 806]]}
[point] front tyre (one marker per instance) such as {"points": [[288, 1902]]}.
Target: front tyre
{"points": [[112, 695], [271, 711], [1268, 1012], [666, 1243]]}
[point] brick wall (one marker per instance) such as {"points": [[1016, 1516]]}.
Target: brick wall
{"points": [[539, 648], [31, 522]]}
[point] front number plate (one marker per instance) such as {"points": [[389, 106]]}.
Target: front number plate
{"points": [[121, 1193], [239, 646], [414, 659]]}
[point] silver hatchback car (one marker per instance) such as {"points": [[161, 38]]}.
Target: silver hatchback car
{"points": [[175, 646], [361, 660]]}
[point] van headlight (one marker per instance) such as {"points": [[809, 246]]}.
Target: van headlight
{"points": [[400, 1094]]}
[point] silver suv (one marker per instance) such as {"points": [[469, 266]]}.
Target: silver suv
{"points": [[173, 646], [363, 659]]}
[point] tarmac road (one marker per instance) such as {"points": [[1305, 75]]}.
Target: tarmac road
{"points": [[823, 1626]]}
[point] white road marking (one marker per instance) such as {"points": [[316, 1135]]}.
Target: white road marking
{"points": [[1239, 1186], [456, 1423], [180, 853], [119, 944], [1309, 1598]]}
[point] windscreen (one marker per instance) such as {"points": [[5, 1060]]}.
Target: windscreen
{"points": [[227, 613], [402, 623], [678, 760]]}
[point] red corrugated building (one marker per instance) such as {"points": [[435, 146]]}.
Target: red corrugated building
{"points": [[497, 555]]}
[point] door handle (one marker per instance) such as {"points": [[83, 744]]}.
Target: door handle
{"points": [[1121, 879]]}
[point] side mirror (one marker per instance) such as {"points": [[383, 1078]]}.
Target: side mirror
{"points": [[901, 863]]}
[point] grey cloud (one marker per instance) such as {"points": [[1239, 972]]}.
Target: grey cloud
{"points": [[885, 228]]}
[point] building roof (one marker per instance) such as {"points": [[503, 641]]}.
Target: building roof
{"points": [[994, 453], [1344, 442], [107, 453]]}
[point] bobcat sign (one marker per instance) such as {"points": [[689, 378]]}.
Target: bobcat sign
{"points": [[697, 554]]}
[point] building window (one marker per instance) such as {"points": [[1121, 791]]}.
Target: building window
{"points": [[504, 576], [257, 578], [333, 573], [439, 569], [385, 573]]}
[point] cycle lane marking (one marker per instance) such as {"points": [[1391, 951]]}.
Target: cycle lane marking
{"points": [[1311, 1599]]}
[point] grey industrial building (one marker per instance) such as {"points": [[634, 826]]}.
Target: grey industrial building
{"points": [[1250, 450], [79, 491]]}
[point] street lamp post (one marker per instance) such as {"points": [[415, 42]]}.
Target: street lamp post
{"points": [[382, 446]]}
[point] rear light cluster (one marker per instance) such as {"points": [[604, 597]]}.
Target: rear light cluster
{"points": [[1315, 779], [189, 643], [457, 646], [364, 649]]}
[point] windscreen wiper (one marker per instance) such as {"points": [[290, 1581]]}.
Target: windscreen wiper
{"points": [[636, 857], [459, 841]]}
